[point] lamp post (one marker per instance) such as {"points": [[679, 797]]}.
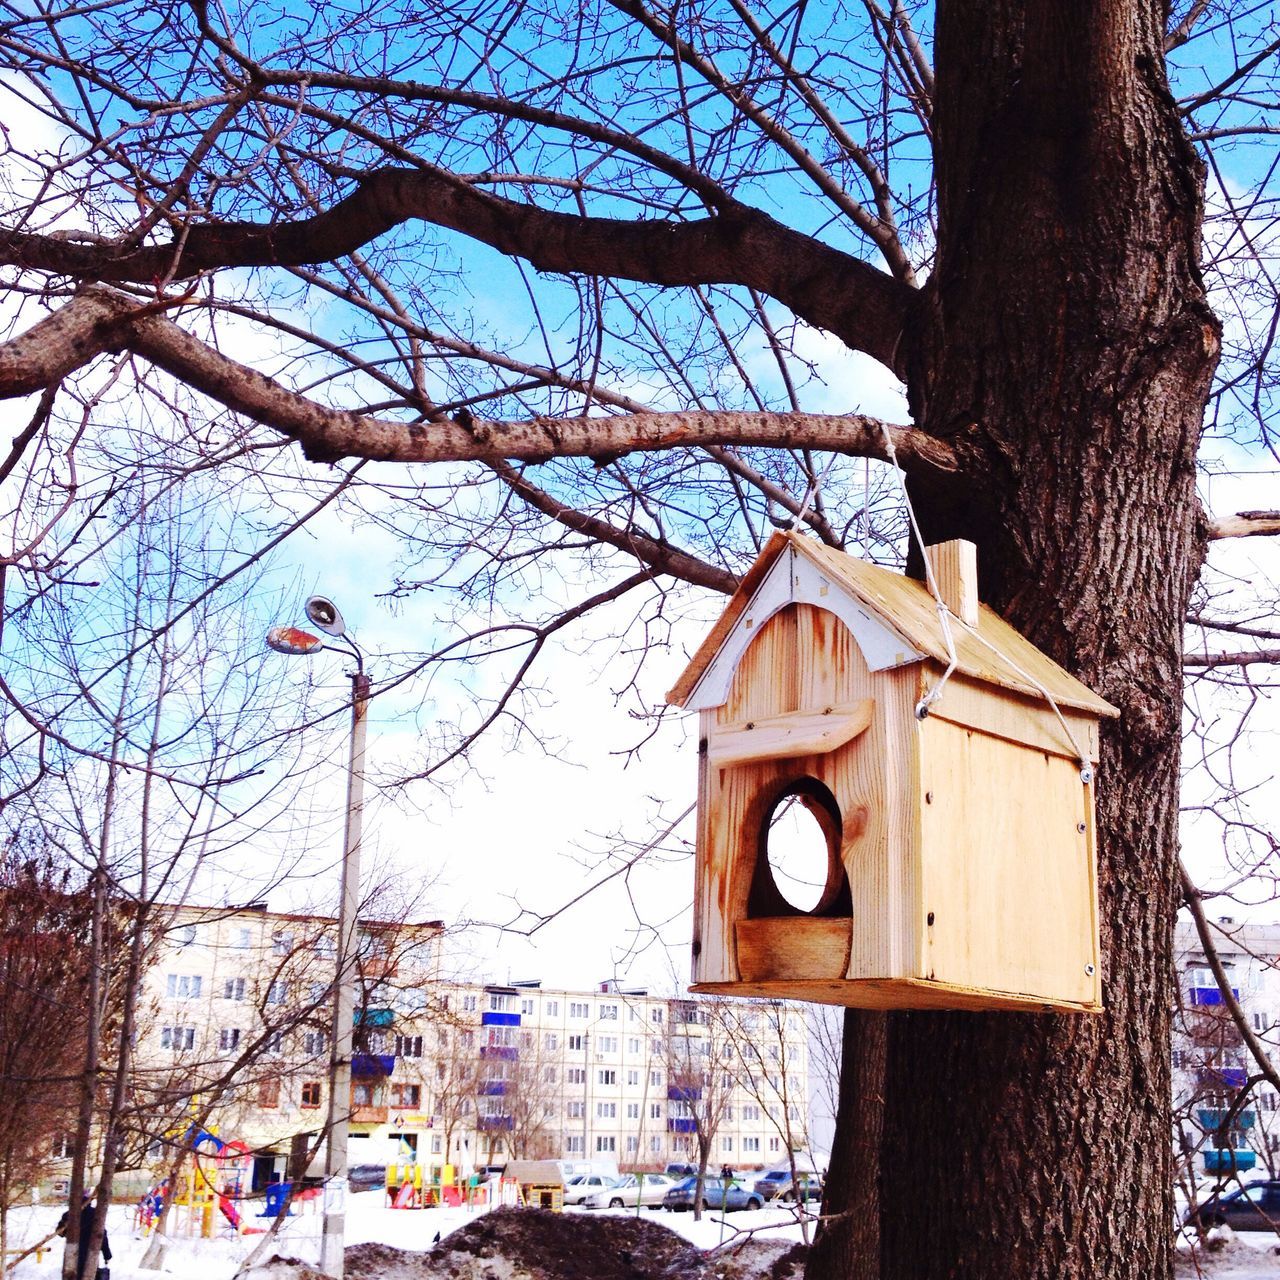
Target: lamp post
{"points": [[293, 640]]}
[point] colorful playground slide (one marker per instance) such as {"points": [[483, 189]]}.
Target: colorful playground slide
{"points": [[404, 1196]]}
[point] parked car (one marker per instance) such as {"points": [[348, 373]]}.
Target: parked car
{"points": [[679, 1170], [632, 1189], [576, 1190], [1252, 1208], [366, 1177], [682, 1196], [776, 1185]]}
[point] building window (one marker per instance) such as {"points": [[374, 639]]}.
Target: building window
{"points": [[184, 935], [575, 1044], [655, 1143], [229, 1038], [750, 1113], [362, 1093], [576, 1075], [1268, 1100], [242, 939], [750, 1144], [633, 1111], [1261, 1021], [548, 1075], [233, 989], [609, 1011], [655, 1111], [268, 1093], [551, 1042], [633, 1045], [633, 1145], [726, 1144], [281, 944], [469, 1004], [325, 946], [552, 1008], [437, 1144], [578, 1009], [177, 1038], [277, 993], [606, 1110], [408, 1046], [605, 1076], [63, 1145], [467, 1039], [526, 1008], [655, 1077], [577, 1110], [633, 1077], [607, 1044], [656, 1015], [406, 1097], [573, 1145], [314, 1043], [311, 1093], [273, 1042], [184, 986], [775, 1144], [605, 1143]]}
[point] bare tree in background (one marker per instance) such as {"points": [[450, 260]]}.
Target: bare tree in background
{"points": [[596, 256]]}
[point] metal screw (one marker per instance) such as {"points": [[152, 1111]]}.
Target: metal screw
{"points": [[1089, 970], [1086, 775], [1080, 827]]}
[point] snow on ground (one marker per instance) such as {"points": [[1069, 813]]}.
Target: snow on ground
{"points": [[1244, 1256], [368, 1221]]}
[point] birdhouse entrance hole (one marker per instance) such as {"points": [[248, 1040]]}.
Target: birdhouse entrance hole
{"points": [[798, 869]]}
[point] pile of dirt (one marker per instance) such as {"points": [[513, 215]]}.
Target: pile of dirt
{"points": [[535, 1244]]}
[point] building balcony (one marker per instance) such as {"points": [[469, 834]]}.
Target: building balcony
{"points": [[684, 1092], [492, 1088], [499, 1051], [1203, 997], [495, 1122], [682, 1126], [1219, 1078], [369, 1114], [375, 1017], [1228, 1161], [1210, 1118], [372, 1066], [492, 1019]]}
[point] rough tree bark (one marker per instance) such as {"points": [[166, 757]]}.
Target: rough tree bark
{"points": [[1066, 351]]}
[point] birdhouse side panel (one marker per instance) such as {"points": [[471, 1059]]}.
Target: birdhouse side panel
{"points": [[1009, 877]]}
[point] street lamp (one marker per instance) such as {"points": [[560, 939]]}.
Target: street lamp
{"points": [[325, 615]]}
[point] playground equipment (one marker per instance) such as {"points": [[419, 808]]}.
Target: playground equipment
{"points": [[198, 1193]]}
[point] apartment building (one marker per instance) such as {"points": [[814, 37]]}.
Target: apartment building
{"points": [[467, 1074], [235, 1037], [1225, 1119], [616, 1074]]}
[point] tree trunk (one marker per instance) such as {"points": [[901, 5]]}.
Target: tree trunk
{"points": [[1066, 348], [848, 1239]]}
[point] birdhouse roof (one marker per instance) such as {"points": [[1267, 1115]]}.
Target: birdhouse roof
{"points": [[902, 607]]}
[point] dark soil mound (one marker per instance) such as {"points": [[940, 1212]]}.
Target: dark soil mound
{"points": [[534, 1244]]}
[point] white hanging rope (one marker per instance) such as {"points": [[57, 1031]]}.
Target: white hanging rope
{"points": [[931, 582], [944, 618]]}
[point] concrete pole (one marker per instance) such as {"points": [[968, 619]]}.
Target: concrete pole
{"points": [[335, 1166]]}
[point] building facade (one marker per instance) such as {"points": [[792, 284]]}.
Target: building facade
{"points": [[236, 1043], [1226, 1115]]}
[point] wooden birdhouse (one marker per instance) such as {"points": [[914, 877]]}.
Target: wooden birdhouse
{"points": [[959, 868]]}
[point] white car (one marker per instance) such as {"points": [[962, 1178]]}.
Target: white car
{"points": [[577, 1189], [632, 1189]]}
